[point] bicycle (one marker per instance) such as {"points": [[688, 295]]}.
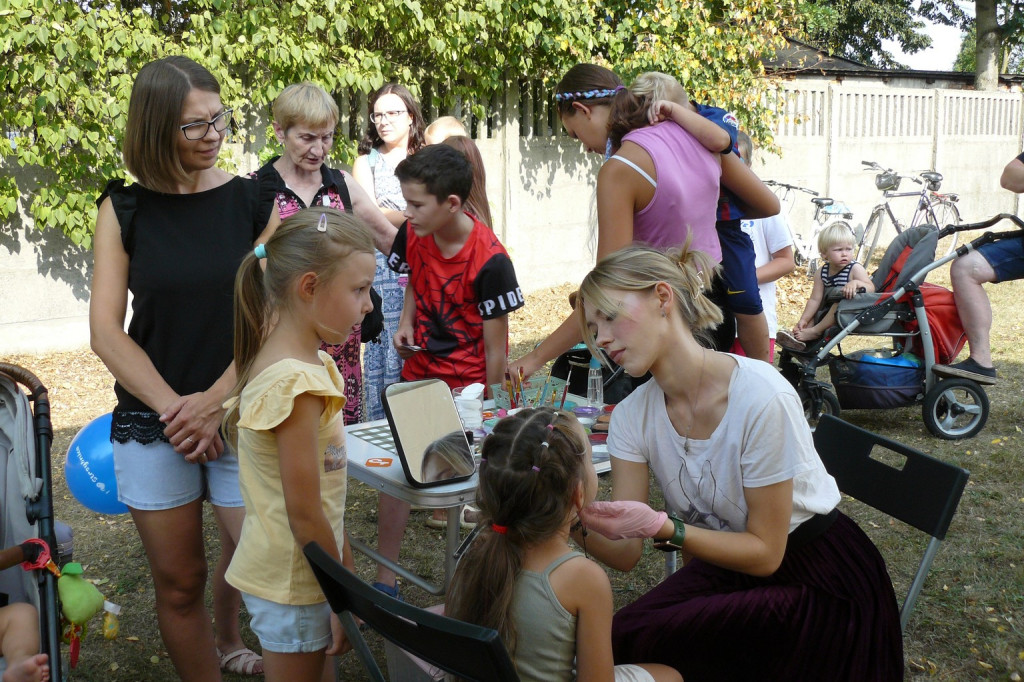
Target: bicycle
{"points": [[933, 209], [826, 212]]}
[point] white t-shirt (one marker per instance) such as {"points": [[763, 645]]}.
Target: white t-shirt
{"points": [[762, 439], [769, 235]]}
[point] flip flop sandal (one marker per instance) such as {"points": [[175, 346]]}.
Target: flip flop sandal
{"points": [[441, 524], [241, 662]]}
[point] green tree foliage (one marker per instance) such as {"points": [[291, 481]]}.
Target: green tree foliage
{"points": [[1011, 59], [996, 31], [68, 65], [855, 29]]}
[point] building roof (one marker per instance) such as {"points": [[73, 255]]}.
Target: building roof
{"points": [[800, 58]]}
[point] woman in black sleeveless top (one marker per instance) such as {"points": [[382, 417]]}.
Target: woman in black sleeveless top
{"points": [[174, 240]]}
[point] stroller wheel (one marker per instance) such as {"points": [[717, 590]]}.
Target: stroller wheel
{"points": [[828, 403], [955, 409]]}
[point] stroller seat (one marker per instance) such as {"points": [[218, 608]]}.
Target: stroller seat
{"points": [[911, 251]]}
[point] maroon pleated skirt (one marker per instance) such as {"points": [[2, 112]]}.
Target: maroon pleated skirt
{"points": [[828, 613]]}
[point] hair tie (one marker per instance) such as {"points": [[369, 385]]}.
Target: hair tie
{"points": [[589, 94], [535, 467], [260, 251], [500, 530], [551, 426], [321, 225]]}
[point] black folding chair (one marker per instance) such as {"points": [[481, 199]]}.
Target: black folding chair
{"points": [[468, 651], [924, 492]]}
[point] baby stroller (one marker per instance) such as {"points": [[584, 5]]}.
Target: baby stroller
{"points": [[923, 327], [25, 438]]}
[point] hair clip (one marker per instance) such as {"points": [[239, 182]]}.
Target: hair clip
{"points": [[321, 225], [260, 251]]}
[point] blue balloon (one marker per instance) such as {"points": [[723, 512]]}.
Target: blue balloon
{"points": [[89, 468]]}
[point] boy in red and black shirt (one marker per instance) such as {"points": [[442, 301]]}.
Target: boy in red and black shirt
{"points": [[462, 285]]}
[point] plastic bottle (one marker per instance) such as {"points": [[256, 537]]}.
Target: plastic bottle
{"points": [[595, 384]]}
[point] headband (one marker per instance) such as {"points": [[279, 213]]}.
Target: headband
{"points": [[587, 94]]}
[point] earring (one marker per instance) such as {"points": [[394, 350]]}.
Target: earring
{"points": [[662, 308]]}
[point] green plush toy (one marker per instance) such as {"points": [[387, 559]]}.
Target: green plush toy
{"points": [[79, 598]]}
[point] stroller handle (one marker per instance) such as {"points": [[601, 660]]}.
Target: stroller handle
{"points": [[24, 377], [964, 227], [983, 224]]}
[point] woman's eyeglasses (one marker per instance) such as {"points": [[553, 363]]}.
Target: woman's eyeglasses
{"points": [[199, 129], [379, 116]]}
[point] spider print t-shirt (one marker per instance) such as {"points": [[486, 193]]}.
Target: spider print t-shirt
{"points": [[453, 298]]}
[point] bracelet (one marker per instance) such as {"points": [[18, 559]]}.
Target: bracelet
{"points": [[676, 541]]}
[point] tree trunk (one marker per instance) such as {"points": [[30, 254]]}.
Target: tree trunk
{"points": [[987, 45]]}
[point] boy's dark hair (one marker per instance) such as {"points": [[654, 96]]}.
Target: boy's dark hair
{"points": [[442, 170]]}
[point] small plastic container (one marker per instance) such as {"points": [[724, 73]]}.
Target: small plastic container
{"points": [[587, 414]]}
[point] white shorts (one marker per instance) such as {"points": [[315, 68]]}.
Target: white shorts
{"points": [[287, 628], [153, 476]]}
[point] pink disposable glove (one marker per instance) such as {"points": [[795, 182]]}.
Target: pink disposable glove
{"points": [[624, 519]]}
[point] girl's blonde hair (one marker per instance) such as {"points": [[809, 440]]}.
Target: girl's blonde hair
{"points": [[833, 235], [442, 128], [305, 104], [529, 468], [317, 240], [655, 85], [640, 268], [476, 203], [150, 148]]}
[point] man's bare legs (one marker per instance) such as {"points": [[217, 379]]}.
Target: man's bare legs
{"points": [[967, 275]]}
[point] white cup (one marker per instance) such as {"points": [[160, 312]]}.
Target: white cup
{"points": [[470, 410]]}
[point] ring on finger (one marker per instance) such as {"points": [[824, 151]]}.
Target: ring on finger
{"points": [[189, 439]]}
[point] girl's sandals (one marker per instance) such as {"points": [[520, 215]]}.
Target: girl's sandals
{"points": [[241, 662], [467, 519]]}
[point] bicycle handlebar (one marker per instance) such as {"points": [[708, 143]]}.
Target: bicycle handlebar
{"points": [[873, 165], [775, 183]]}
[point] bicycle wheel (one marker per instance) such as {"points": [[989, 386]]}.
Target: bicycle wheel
{"points": [[946, 213]]}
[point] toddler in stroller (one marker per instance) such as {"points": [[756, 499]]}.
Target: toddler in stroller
{"points": [[920, 321], [838, 271]]}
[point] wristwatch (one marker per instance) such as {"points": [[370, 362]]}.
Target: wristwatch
{"points": [[674, 543]]}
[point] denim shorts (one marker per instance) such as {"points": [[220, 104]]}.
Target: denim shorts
{"points": [[739, 273], [152, 477], [1006, 257], [287, 628]]}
